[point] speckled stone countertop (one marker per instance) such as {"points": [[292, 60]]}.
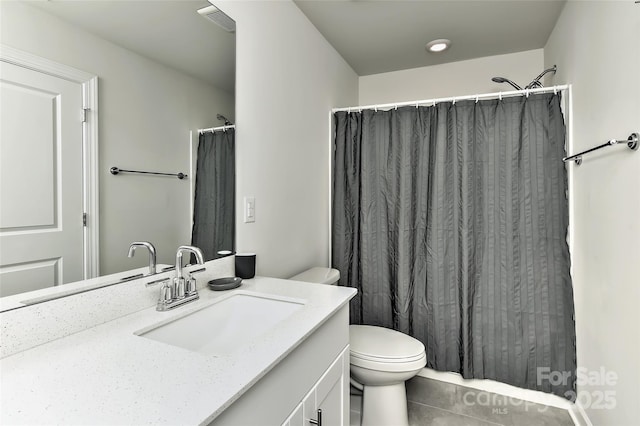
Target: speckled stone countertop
{"points": [[25, 327], [109, 375]]}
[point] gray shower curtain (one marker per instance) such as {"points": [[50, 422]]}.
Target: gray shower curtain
{"points": [[214, 214], [451, 222]]}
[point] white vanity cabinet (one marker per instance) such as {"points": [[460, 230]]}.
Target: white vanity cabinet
{"points": [[315, 375], [327, 398]]}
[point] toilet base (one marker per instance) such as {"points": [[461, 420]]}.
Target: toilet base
{"points": [[385, 405]]}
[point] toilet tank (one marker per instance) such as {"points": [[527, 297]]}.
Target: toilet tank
{"points": [[318, 275]]}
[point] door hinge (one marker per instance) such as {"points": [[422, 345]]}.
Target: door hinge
{"points": [[84, 114], [84, 219]]}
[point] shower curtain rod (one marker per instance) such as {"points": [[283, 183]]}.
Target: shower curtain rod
{"points": [[454, 99], [217, 129]]}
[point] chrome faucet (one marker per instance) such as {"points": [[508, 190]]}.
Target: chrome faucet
{"points": [[181, 290], [152, 253]]}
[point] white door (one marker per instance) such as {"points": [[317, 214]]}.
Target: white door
{"points": [[41, 204]]}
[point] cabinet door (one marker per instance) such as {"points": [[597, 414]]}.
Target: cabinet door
{"points": [[296, 418], [329, 396]]}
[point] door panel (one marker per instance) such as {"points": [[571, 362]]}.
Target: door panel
{"points": [[41, 230], [28, 276], [38, 144]]}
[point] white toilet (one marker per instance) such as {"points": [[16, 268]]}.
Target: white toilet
{"points": [[381, 361]]}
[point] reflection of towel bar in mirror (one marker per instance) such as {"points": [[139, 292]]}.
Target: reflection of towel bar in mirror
{"points": [[116, 170], [631, 141]]}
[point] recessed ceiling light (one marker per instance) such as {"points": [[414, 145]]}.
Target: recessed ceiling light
{"points": [[439, 45]]}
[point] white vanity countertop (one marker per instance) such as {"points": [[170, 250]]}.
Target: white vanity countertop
{"points": [[108, 375]]}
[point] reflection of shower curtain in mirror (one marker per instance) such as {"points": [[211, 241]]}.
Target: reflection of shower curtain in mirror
{"points": [[214, 204]]}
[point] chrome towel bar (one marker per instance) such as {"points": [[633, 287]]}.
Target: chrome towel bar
{"points": [[116, 170], [631, 141]]}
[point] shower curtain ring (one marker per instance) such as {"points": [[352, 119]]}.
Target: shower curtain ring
{"points": [[526, 92], [476, 98], [500, 95], [555, 90]]}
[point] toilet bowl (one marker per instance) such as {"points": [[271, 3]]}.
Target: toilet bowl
{"points": [[381, 360]]}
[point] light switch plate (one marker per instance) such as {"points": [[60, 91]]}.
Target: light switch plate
{"points": [[249, 209]]}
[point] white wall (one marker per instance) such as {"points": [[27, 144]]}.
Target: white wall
{"points": [[452, 79], [596, 46], [146, 111], [288, 79]]}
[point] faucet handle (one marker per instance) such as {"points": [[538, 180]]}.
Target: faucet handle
{"points": [[191, 287], [191, 284], [166, 294]]}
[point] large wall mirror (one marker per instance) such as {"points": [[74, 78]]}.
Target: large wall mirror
{"points": [[164, 71]]}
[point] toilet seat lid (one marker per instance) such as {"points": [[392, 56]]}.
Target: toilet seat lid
{"points": [[379, 343]]}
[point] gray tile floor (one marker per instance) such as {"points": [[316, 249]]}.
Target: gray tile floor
{"points": [[435, 403]]}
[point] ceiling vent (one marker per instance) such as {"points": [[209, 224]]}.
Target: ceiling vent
{"points": [[218, 17]]}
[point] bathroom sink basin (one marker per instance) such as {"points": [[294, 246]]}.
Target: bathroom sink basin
{"points": [[225, 325]]}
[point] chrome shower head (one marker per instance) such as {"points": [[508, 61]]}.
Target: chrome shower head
{"points": [[536, 81], [225, 119], [506, 80]]}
